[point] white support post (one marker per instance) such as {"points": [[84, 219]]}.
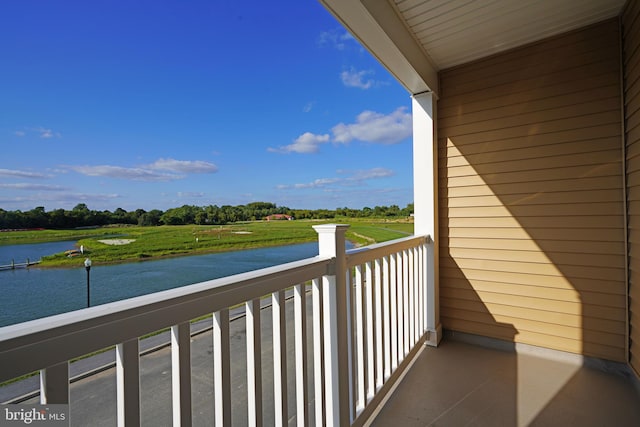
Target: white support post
{"points": [[405, 303], [386, 307], [221, 369], [370, 326], [300, 326], [421, 304], [331, 242], [425, 200], [379, 322], [54, 384], [254, 363], [412, 298], [128, 383], [181, 373], [400, 306], [279, 358], [318, 367], [393, 284], [358, 321]]}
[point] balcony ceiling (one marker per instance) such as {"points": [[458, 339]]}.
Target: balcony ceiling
{"points": [[415, 39], [455, 32]]}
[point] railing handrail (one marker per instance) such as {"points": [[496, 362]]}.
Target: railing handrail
{"points": [[361, 255], [28, 346]]}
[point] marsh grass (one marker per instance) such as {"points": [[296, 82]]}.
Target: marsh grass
{"points": [[169, 241]]}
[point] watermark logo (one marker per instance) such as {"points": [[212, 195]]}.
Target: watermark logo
{"points": [[34, 415]]}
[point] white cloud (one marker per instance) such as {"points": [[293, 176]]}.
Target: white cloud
{"points": [[92, 197], [304, 144], [370, 126], [355, 78], [374, 173], [43, 132], [374, 127], [308, 107], [183, 166], [159, 171], [47, 133], [31, 187], [337, 38], [352, 178], [63, 197], [22, 174], [190, 194], [135, 174], [318, 183]]}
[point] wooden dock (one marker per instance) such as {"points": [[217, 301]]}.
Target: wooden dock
{"points": [[15, 265]]}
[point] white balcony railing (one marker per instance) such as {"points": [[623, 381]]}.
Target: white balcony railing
{"points": [[368, 317]]}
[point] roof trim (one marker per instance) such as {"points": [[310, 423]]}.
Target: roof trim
{"points": [[377, 26]]}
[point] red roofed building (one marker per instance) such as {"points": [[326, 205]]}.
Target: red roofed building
{"points": [[279, 217]]}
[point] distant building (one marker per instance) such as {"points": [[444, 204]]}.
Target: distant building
{"points": [[279, 217]]}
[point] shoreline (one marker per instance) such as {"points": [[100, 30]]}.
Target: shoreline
{"points": [[97, 262]]}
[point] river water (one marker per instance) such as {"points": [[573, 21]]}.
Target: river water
{"points": [[33, 293]]}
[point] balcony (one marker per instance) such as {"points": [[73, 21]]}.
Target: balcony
{"points": [[343, 345], [288, 344]]}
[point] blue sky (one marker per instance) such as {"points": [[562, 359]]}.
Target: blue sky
{"points": [[157, 104]]}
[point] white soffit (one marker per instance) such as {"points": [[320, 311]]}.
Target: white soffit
{"points": [[453, 32]]}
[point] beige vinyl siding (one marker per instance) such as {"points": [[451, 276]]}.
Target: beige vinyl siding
{"points": [[531, 198], [631, 32]]}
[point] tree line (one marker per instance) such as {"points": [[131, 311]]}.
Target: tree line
{"points": [[82, 216]]}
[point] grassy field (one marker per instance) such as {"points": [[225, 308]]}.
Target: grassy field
{"points": [[164, 241]]}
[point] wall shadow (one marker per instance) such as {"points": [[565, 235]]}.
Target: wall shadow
{"points": [[532, 242]]}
